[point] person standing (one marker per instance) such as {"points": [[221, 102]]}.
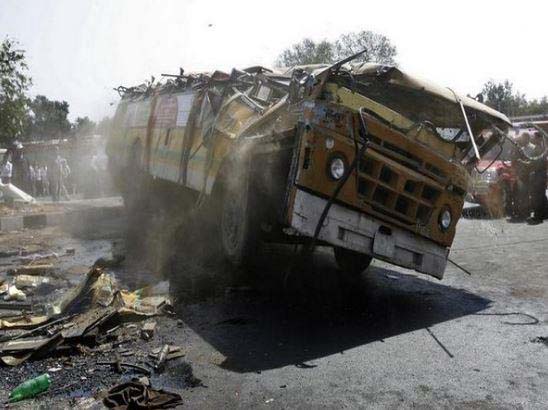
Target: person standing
{"points": [[537, 180], [45, 180], [39, 184], [54, 174], [33, 176], [6, 170], [20, 177], [64, 175], [520, 189]]}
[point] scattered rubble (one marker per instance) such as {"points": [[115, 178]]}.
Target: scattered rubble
{"points": [[118, 365], [147, 331], [140, 395], [91, 314], [30, 281], [15, 306], [162, 359], [35, 257], [32, 269], [90, 334], [13, 293]]}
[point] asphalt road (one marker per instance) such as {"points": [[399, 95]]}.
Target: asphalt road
{"points": [[396, 339]]}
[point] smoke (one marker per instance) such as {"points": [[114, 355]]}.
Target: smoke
{"points": [[90, 177]]}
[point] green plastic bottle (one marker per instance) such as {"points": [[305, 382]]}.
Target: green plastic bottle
{"points": [[30, 388]]}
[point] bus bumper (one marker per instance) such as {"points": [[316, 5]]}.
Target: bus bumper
{"points": [[356, 231]]}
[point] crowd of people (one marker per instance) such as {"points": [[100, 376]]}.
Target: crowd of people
{"points": [[48, 178]]}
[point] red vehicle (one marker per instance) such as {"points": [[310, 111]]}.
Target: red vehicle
{"points": [[492, 181]]}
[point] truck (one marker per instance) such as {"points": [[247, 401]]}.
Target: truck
{"points": [[359, 157]]}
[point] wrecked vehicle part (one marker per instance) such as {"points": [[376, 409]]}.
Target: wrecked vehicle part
{"points": [[87, 314], [137, 395], [162, 359], [38, 269], [30, 281], [15, 306], [147, 330], [270, 150]]}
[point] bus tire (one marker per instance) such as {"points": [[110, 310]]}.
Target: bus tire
{"points": [[351, 263], [239, 225]]}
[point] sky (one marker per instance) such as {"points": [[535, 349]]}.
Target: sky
{"points": [[79, 50]]}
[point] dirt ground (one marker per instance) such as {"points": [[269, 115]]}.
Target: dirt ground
{"points": [[28, 209], [395, 339]]}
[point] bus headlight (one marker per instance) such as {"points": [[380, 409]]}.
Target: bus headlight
{"points": [[445, 219], [336, 168]]}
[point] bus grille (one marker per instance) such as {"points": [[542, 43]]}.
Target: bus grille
{"points": [[394, 193]]}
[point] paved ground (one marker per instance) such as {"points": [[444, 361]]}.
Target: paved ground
{"points": [[400, 340], [396, 339]]}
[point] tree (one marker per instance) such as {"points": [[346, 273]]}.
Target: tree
{"points": [[378, 48], [14, 83], [48, 119], [306, 52], [83, 126], [501, 97], [535, 107]]}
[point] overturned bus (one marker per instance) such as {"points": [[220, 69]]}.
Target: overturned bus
{"points": [[359, 157]]}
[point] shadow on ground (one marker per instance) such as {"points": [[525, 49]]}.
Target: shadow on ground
{"points": [[261, 327]]}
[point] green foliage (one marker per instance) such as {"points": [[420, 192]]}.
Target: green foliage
{"points": [[502, 97], [535, 107], [14, 83], [306, 52], [83, 126], [379, 49], [48, 119]]}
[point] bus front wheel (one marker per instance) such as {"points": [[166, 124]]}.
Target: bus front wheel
{"points": [[351, 263]]}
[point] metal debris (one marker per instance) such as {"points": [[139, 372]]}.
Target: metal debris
{"points": [[138, 395], [174, 353], [162, 359], [147, 331], [15, 306], [119, 364], [32, 258], [15, 294], [91, 313], [29, 281], [41, 269]]}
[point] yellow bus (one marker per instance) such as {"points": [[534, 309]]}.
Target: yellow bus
{"points": [[360, 157]]}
